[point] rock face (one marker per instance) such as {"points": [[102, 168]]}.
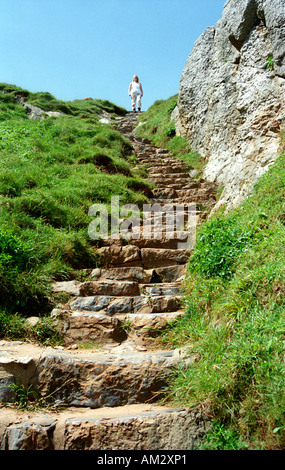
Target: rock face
{"points": [[231, 103]]}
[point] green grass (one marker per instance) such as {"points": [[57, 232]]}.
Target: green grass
{"points": [[156, 125], [85, 108], [234, 322], [51, 172]]}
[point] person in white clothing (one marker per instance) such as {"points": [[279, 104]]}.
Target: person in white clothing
{"points": [[136, 93]]}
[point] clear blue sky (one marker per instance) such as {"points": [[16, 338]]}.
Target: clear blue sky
{"points": [[80, 48]]}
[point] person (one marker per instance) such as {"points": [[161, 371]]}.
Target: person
{"points": [[136, 93]]}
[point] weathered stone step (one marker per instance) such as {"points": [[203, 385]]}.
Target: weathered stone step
{"points": [[143, 140], [205, 192], [154, 257], [173, 191], [148, 324], [164, 243], [166, 288], [167, 274], [89, 328], [126, 288], [140, 427], [185, 184], [120, 255], [88, 378], [148, 237], [169, 177], [109, 287], [146, 257], [122, 274], [158, 163], [109, 305], [101, 330]]}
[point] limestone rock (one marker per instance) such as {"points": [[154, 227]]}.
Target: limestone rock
{"points": [[171, 273], [89, 327], [6, 380], [148, 325], [172, 430], [89, 378], [155, 257], [119, 255], [132, 273], [109, 287], [129, 427], [69, 287], [113, 305], [31, 435], [231, 101]]}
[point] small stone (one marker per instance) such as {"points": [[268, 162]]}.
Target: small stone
{"points": [[32, 321]]}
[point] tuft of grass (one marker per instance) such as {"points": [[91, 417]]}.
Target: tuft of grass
{"points": [[14, 327]]}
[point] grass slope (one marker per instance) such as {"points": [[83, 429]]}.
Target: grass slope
{"points": [[234, 321], [51, 172], [156, 125]]}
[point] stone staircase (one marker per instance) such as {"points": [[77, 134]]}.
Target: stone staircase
{"points": [[103, 384]]}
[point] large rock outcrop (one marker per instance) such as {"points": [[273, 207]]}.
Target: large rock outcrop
{"points": [[231, 103]]}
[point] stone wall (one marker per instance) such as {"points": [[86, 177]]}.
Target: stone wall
{"points": [[232, 95]]}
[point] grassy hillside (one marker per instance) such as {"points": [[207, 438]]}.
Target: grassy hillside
{"points": [[51, 172], [156, 125], [234, 324]]}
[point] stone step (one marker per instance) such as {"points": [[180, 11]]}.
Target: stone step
{"points": [[165, 169], [169, 177], [100, 330], [158, 163], [136, 427], [107, 287], [111, 305], [143, 140], [142, 276], [85, 329], [205, 192], [160, 188], [144, 257], [154, 257], [170, 273], [143, 328], [168, 244], [166, 288], [122, 274], [84, 378], [126, 288], [152, 237], [165, 192], [113, 255]]}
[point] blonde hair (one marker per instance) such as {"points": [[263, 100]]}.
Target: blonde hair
{"points": [[136, 77]]}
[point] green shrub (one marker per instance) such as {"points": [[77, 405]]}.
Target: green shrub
{"points": [[222, 438], [219, 245]]}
